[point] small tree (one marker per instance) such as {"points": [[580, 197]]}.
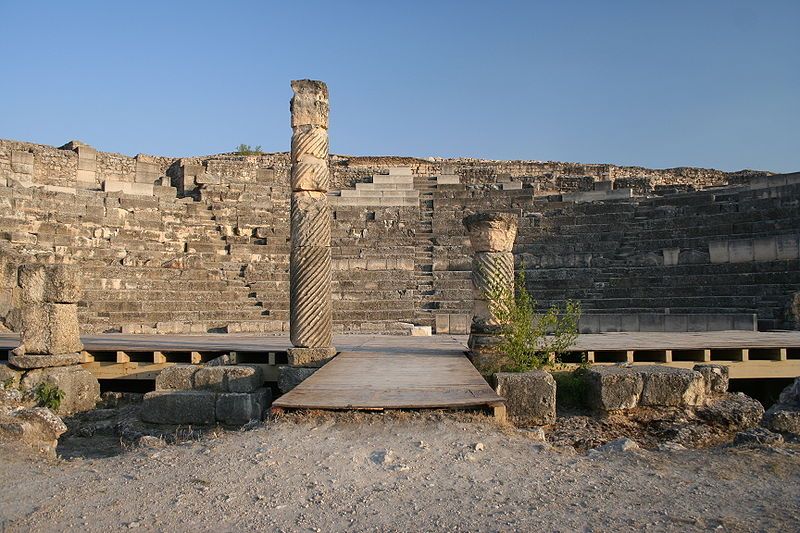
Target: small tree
{"points": [[531, 340], [246, 149]]}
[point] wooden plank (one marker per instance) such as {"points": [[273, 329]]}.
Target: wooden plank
{"points": [[385, 374]]}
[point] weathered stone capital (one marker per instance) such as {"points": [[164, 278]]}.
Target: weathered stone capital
{"points": [[491, 232], [309, 104]]}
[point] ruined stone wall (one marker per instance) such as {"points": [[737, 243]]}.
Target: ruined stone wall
{"points": [[202, 244]]}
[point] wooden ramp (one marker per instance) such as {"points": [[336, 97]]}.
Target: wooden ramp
{"points": [[396, 373]]}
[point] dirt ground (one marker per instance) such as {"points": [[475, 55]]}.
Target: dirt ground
{"points": [[399, 472]]}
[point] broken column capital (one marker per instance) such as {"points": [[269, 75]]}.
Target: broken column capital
{"points": [[491, 231]]}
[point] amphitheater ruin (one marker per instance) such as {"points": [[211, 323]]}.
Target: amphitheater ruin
{"points": [[227, 280]]}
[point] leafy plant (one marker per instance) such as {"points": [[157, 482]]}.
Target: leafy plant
{"points": [[246, 149], [531, 340], [49, 395]]}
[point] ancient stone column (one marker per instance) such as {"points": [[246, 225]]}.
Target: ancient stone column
{"points": [[492, 237], [310, 259], [49, 317]]}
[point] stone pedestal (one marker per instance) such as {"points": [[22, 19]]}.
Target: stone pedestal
{"points": [[50, 337], [310, 257], [492, 240]]}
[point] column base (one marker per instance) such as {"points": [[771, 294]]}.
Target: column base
{"points": [[310, 357]]}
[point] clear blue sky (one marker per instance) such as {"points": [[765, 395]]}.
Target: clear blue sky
{"points": [[659, 84]]}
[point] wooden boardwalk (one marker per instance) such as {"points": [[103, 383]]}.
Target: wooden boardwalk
{"points": [[396, 373]]}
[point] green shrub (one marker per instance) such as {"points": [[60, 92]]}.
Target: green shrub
{"points": [[246, 149], [571, 388], [49, 395], [529, 340]]}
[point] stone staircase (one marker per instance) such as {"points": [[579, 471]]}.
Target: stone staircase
{"points": [[423, 258]]}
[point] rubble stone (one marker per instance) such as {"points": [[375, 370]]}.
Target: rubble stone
{"points": [[37, 427], [618, 445], [530, 396], [758, 435], [9, 377], [784, 416], [734, 411], [715, 377]]}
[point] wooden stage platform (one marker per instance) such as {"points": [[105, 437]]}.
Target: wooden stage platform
{"points": [[748, 354], [396, 373]]}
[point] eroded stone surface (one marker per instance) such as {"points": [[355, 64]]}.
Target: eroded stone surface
{"points": [[715, 377], [29, 361], [311, 357], [491, 232], [178, 377], [612, 388], [670, 387], [179, 407], [50, 329], [530, 396], [81, 389]]}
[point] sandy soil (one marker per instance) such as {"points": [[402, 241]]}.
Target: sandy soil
{"points": [[400, 472]]}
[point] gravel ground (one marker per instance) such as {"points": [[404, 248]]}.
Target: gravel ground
{"points": [[400, 472]]}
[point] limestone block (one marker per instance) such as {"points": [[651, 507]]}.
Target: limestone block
{"points": [[311, 219], [718, 252], [243, 378], [310, 294], [50, 329], [765, 249], [63, 284], [178, 377], [715, 377], [309, 105], [310, 357], [310, 174], [21, 162], [43, 361], [670, 387], [81, 389], [237, 408], [459, 324], [491, 232], [741, 251], [787, 247], [671, 256], [442, 323], [32, 281], [530, 396], [421, 331], [611, 388], [179, 407], [265, 175], [291, 376], [210, 378]]}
